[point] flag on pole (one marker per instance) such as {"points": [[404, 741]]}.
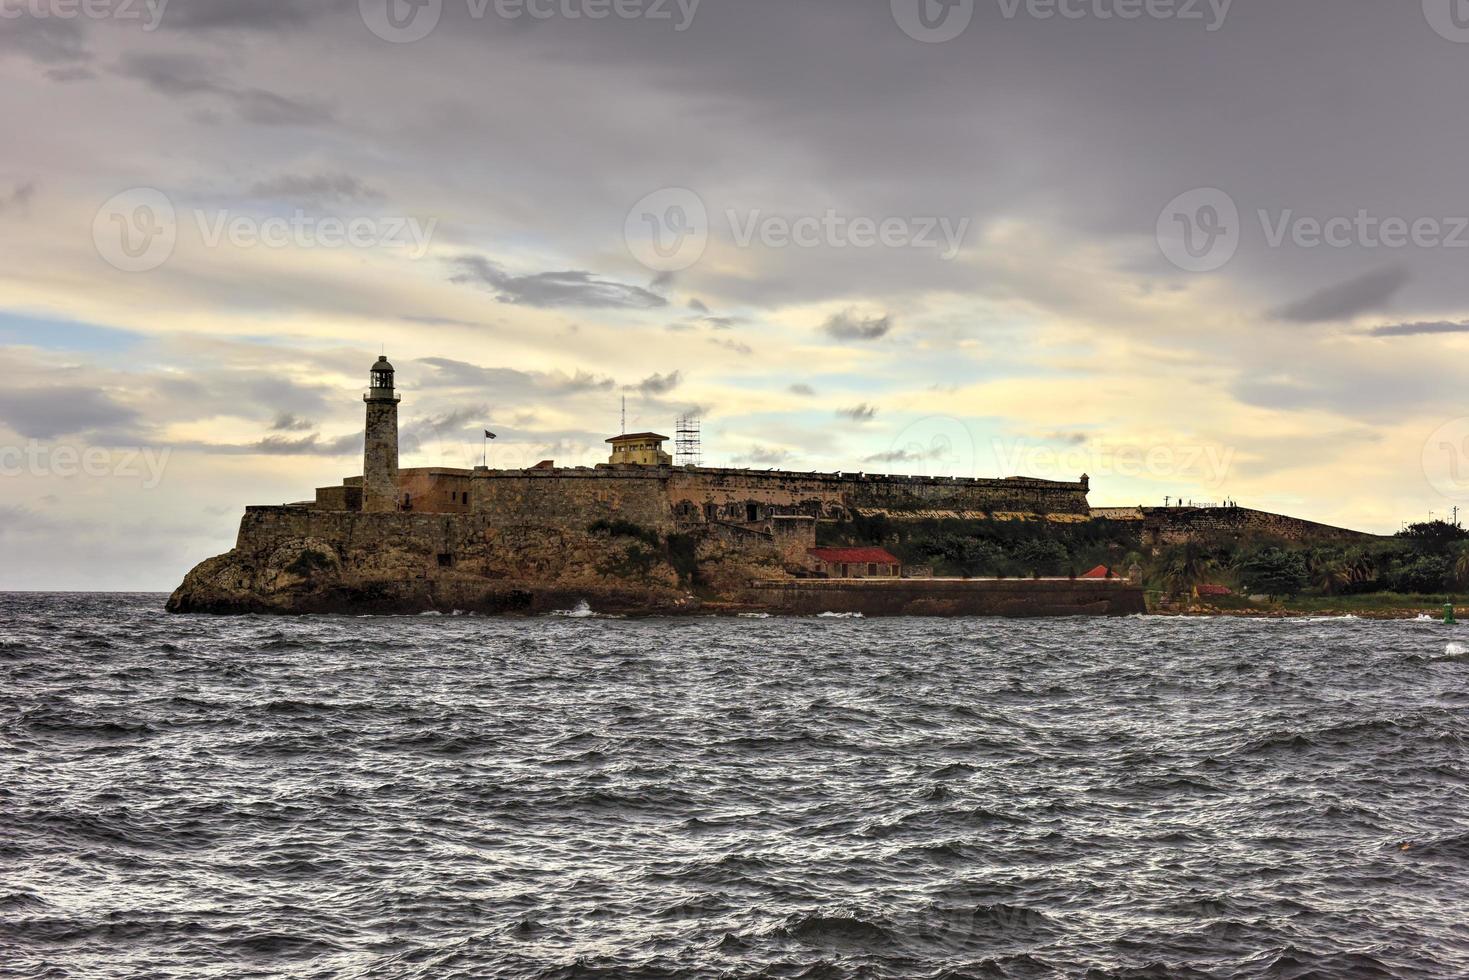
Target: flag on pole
{"points": [[490, 435]]}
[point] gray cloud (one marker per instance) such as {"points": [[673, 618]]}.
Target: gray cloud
{"points": [[904, 456], [763, 456], [862, 412], [183, 75], [315, 188], [62, 410], [256, 15], [18, 198], [849, 325], [1346, 300], [659, 384], [310, 445], [71, 73], [46, 40], [511, 383], [800, 389], [290, 422], [441, 321], [553, 289], [732, 345], [1419, 329]]}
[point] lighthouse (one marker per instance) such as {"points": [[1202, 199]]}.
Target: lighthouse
{"points": [[380, 449]]}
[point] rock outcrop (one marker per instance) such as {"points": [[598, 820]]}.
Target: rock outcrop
{"points": [[307, 562]]}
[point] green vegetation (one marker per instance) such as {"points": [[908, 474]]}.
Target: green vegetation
{"points": [[982, 548], [1275, 572], [1419, 568], [682, 555], [627, 529], [679, 551], [635, 563]]}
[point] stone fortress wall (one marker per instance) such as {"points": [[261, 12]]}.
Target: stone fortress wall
{"points": [[667, 497], [1177, 525]]}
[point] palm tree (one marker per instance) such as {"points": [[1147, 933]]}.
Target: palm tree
{"points": [[1330, 575], [1461, 567], [1186, 568], [1361, 566]]}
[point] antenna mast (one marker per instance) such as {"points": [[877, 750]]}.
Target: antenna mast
{"points": [[688, 448], [624, 415]]}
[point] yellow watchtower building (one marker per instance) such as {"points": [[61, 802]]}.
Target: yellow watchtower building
{"points": [[640, 449]]}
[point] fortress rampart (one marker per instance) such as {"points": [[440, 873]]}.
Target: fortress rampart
{"points": [[1176, 525], [667, 497]]}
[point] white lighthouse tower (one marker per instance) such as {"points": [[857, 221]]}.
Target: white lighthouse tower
{"points": [[380, 449]]}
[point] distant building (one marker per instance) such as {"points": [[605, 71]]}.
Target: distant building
{"points": [[853, 563], [1101, 571], [640, 449]]}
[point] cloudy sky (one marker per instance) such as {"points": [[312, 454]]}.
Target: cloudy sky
{"points": [[1194, 249]]}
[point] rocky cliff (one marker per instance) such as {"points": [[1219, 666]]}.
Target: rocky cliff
{"points": [[301, 559], [298, 560]]}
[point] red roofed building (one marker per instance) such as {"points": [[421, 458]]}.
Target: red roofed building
{"points": [[853, 563], [1101, 571]]}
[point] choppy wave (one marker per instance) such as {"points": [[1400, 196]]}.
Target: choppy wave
{"points": [[829, 797]]}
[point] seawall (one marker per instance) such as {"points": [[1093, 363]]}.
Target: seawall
{"points": [[1175, 525], [952, 597]]}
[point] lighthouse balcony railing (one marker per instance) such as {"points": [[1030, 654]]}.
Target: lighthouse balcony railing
{"points": [[382, 394]]}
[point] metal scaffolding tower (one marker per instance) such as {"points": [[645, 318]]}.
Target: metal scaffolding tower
{"points": [[688, 451]]}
